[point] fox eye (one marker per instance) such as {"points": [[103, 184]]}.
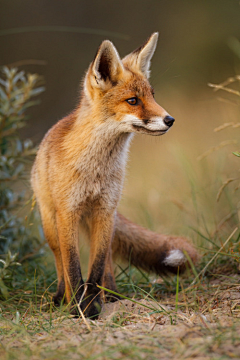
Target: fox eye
{"points": [[132, 101]]}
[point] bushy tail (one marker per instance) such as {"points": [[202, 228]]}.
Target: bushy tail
{"points": [[151, 251]]}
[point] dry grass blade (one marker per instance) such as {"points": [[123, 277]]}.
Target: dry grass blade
{"points": [[225, 219], [223, 85], [226, 125], [214, 257], [215, 148], [78, 306], [228, 181], [27, 62], [84, 318], [231, 91], [63, 29]]}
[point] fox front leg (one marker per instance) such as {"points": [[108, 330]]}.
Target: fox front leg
{"points": [[101, 236], [68, 232]]}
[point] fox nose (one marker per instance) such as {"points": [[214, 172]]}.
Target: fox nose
{"points": [[169, 120]]}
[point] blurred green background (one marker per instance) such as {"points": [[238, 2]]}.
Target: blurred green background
{"points": [[167, 188]]}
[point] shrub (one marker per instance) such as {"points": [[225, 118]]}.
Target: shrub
{"points": [[17, 89]]}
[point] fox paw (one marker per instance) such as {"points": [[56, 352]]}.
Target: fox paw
{"points": [[90, 306], [59, 296]]}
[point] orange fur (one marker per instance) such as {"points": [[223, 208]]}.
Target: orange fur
{"points": [[78, 175]]}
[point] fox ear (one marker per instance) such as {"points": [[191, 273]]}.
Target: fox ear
{"points": [[140, 59], [106, 67]]}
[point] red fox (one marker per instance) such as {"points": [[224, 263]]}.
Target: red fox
{"points": [[78, 176]]}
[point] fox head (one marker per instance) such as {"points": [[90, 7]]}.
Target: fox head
{"points": [[119, 92]]}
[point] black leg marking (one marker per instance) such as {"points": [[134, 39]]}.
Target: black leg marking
{"points": [[91, 304], [58, 297], [75, 279]]}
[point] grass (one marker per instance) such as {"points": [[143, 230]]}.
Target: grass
{"points": [[156, 319]]}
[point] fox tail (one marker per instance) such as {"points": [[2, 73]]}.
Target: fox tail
{"points": [[151, 251]]}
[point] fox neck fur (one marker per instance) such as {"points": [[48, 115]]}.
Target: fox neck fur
{"points": [[98, 159]]}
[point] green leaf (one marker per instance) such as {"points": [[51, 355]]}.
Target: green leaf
{"points": [[236, 154], [4, 289]]}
